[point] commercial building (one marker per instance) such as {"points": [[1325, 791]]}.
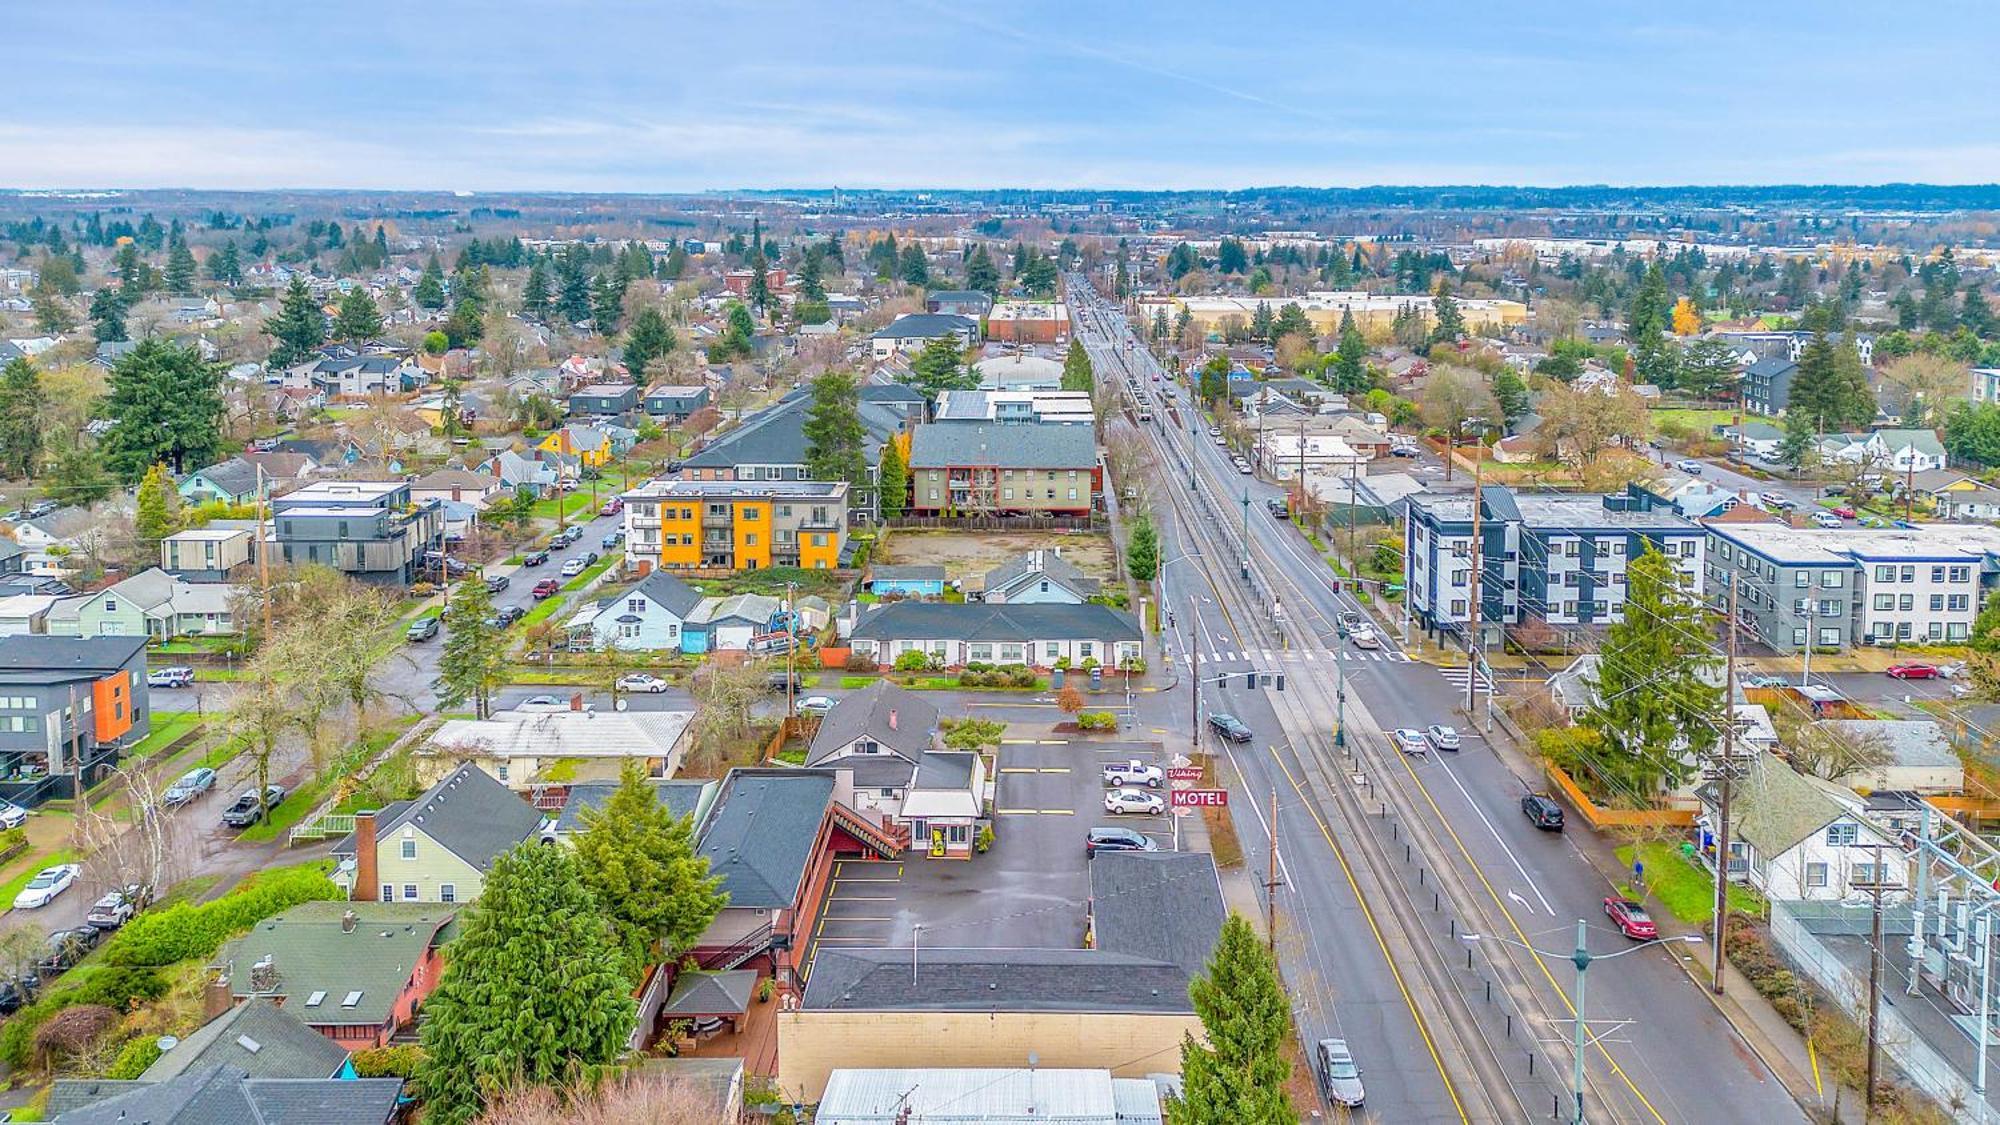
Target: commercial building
{"points": [[1556, 558], [373, 531], [1028, 322], [1325, 309], [1002, 468], [735, 524], [910, 333], [1058, 407]]}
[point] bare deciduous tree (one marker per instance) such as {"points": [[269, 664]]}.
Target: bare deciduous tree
{"points": [[1923, 386], [1453, 398]]}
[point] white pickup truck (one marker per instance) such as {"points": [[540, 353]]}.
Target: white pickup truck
{"points": [[1134, 772]]}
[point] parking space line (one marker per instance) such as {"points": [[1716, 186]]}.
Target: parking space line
{"points": [[820, 939], [1015, 812], [1017, 742], [1057, 812], [1053, 769], [1053, 742], [858, 879], [1017, 769], [830, 918], [863, 898]]}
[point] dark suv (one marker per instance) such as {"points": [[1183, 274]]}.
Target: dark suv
{"points": [[1543, 811], [1229, 727], [1111, 838]]}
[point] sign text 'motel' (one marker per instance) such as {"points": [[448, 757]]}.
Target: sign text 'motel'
{"points": [[1195, 798]]}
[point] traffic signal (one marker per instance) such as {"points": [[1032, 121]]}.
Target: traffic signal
{"points": [[1250, 681], [1281, 681], [1336, 585]]}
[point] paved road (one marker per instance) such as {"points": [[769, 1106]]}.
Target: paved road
{"points": [[1462, 818]]}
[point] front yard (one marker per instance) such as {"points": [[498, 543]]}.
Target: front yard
{"points": [[1684, 888]]}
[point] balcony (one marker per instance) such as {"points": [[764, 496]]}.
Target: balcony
{"points": [[717, 519]]}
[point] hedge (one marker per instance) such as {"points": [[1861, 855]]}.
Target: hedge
{"points": [[113, 987], [186, 930], [133, 1059], [400, 1061]]}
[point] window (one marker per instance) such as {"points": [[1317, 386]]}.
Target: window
{"points": [[1829, 638], [447, 892], [750, 539], [1961, 573], [1799, 637], [1687, 548], [1885, 601], [1959, 602], [751, 513], [1830, 579], [111, 605], [1885, 574], [1458, 607], [1054, 650], [1937, 603], [1937, 574], [388, 892], [1618, 548], [1462, 549], [1842, 835], [1882, 630], [1902, 630], [1906, 602], [1087, 650], [503, 771], [1863, 875], [1815, 874], [409, 849], [409, 892], [1072, 494], [1802, 579], [1006, 494], [629, 630], [1909, 573], [1570, 548]]}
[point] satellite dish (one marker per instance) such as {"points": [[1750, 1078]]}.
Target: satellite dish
{"points": [[167, 1043], [621, 704]]}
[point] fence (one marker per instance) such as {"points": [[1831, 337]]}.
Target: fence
{"points": [[1600, 817], [1091, 522]]}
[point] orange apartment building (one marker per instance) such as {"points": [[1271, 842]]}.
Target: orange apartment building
{"points": [[735, 524]]}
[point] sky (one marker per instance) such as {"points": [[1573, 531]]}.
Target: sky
{"points": [[674, 95]]}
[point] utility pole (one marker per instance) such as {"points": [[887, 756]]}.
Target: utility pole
{"points": [[1246, 532], [1874, 985], [1353, 502], [1726, 780], [1271, 882], [263, 552], [1581, 959], [1472, 606]]}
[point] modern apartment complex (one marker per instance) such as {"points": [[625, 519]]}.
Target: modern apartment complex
{"points": [[372, 531], [1042, 469], [1840, 587], [735, 524], [1558, 558], [68, 705]]}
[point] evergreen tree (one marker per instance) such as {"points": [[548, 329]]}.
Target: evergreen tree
{"points": [[180, 269], [811, 265], [107, 316], [835, 438], [1975, 313], [676, 263], [1450, 323], [131, 274], [1511, 393], [466, 324], [1142, 553], [1291, 321], [165, 404], [1231, 257], [1238, 1078], [639, 859], [1261, 322], [1077, 374], [1040, 275], [429, 291], [158, 514], [1646, 323], [940, 367], [22, 398], [607, 303], [497, 1019], [915, 268], [980, 272], [474, 661], [53, 315], [1830, 390], [1350, 371], [649, 338], [299, 327], [535, 291], [1658, 704], [573, 288], [893, 475], [226, 265], [359, 319], [77, 477]]}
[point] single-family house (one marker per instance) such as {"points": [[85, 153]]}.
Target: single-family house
{"points": [[681, 797], [25, 613], [1795, 837], [152, 604], [516, 471], [730, 624], [910, 332], [1886, 451], [590, 446], [1910, 755], [234, 481], [647, 616], [521, 748], [208, 554], [221, 1093], [437, 848], [353, 971], [674, 403], [260, 1038], [956, 634], [462, 486], [604, 400], [917, 580], [48, 542], [883, 736], [1758, 439], [1040, 576]]}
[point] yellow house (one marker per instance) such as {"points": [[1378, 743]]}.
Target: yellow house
{"points": [[588, 444]]}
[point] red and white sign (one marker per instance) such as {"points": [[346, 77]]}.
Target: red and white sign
{"points": [[1200, 798], [1184, 773]]}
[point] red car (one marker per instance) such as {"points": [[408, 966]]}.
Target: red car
{"points": [[546, 588], [1631, 919], [1913, 671], [1844, 513], [611, 507]]}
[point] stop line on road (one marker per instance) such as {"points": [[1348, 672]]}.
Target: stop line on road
{"points": [[1298, 656]]}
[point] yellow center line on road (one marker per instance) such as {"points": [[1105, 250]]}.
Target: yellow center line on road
{"points": [[857, 879], [863, 898], [1381, 943], [1018, 769]]}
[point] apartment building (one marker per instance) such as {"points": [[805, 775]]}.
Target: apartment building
{"points": [[735, 524], [1557, 558], [1060, 407], [1042, 469], [1841, 587], [70, 706], [373, 531]]}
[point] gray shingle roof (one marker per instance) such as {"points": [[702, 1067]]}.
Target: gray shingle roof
{"points": [[681, 797], [974, 622], [898, 718], [235, 476], [284, 1046], [1776, 807], [1047, 563], [1165, 906], [1006, 980], [943, 769], [1005, 444], [777, 437], [759, 837], [468, 812], [311, 952], [925, 326], [103, 655], [224, 1095], [666, 591]]}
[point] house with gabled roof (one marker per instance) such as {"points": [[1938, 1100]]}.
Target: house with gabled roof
{"points": [[956, 634], [883, 737], [1797, 838], [355, 972], [647, 616], [226, 1095], [1040, 576], [522, 749], [437, 848], [259, 1038]]}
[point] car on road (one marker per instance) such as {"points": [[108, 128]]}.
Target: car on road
{"points": [[1441, 737], [1773, 500], [171, 676], [116, 908], [542, 705], [1630, 918], [1113, 837], [1365, 637], [1845, 513], [1348, 622], [12, 815], [192, 784], [47, 884], [63, 949], [546, 588], [1766, 680], [248, 810], [1215, 431], [642, 681], [422, 629], [611, 507], [1542, 810], [784, 681], [1120, 801], [612, 540], [535, 558], [1279, 508], [1690, 467], [1242, 466], [506, 615], [1912, 671], [1410, 740], [1229, 727], [1134, 772], [1824, 518], [1338, 1075], [573, 567], [497, 583], [815, 706]]}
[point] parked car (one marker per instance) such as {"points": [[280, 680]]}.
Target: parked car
{"points": [[1134, 772], [496, 583], [248, 810], [506, 615], [612, 540], [784, 681], [1120, 801], [545, 588], [543, 705], [63, 949], [46, 886], [611, 507], [815, 706], [1441, 737], [1279, 508], [535, 558], [1542, 810], [17, 993], [1691, 467], [642, 681], [1229, 727], [590, 558], [171, 676], [192, 784], [1338, 1075], [574, 567], [116, 908], [1766, 680], [1845, 513], [12, 815], [422, 629], [1631, 919], [1410, 741], [1824, 518], [1913, 671]]}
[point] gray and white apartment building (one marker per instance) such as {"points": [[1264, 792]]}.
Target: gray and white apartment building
{"points": [[1841, 587], [1558, 558]]}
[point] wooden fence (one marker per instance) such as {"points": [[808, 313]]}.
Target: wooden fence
{"points": [[1093, 522], [1600, 817]]}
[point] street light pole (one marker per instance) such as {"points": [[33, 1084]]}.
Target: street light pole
{"points": [[1581, 959]]}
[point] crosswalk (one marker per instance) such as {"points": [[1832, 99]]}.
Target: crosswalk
{"points": [[1458, 677]]}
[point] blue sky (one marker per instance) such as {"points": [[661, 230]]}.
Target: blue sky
{"points": [[627, 95]]}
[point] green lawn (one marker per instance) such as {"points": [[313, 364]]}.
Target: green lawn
{"points": [[853, 683], [196, 645], [167, 726], [1687, 891], [571, 502], [1701, 422], [542, 611], [590, 574], [13, 886], [218, 675]]}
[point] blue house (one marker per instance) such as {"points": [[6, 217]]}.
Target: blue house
{"points": [[649, 616], [905, 581]]}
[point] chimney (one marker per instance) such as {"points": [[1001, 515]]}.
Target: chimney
{"points": [[347, 921], [365, 881], [216, 998], [892, 718]]}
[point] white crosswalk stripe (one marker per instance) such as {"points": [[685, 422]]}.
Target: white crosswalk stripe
{"points": [[1458, 676]]}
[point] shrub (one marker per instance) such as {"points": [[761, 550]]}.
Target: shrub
{"points": [[861, 662], [913, 661], [184, 930], [13, 839], [1069, 701], [984, 840], [1097, 720], [133, 1059], [400, 1061], [73, 1031], [1022, 676]]}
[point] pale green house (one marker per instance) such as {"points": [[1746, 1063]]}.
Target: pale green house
{"points": [[151, 604], [438, 847]]}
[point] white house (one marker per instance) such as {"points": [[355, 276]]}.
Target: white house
{"points": [[1281, 452], [882, 736], [954, 634], [1889, 451], [1798, 838], [1917, 753], [528, 749]]}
